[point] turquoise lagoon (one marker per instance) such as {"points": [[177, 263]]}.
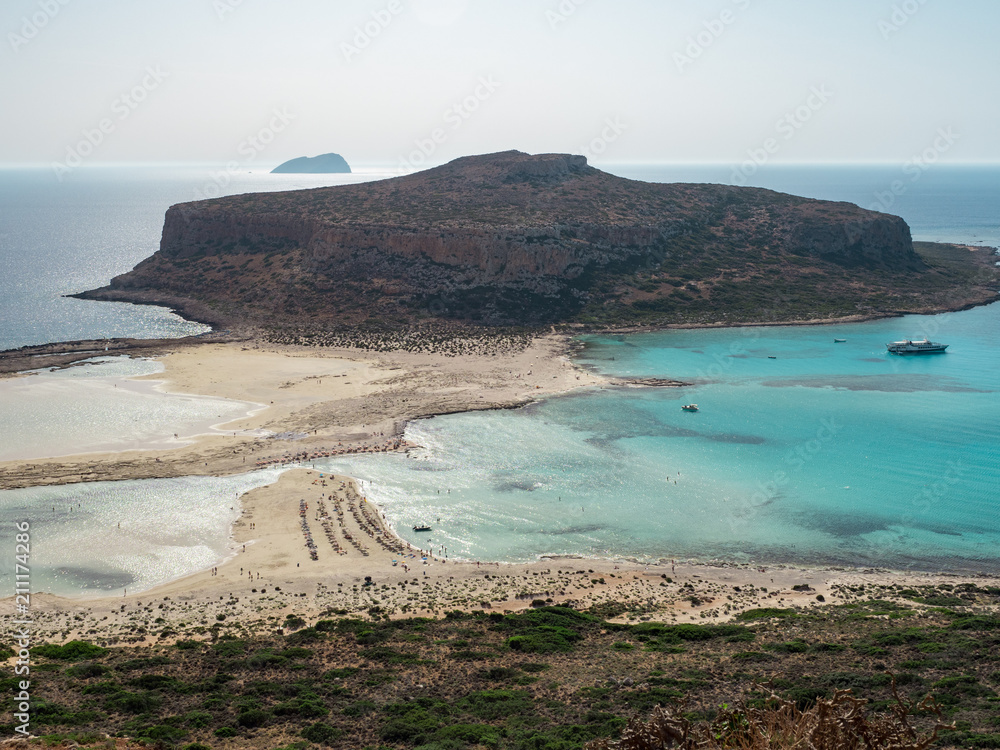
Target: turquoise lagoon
{"points": [[828, 454], [805, 451], [103, 537]]}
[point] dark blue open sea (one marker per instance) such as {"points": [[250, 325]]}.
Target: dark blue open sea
{"points": [[804, 451], [59, 238]]}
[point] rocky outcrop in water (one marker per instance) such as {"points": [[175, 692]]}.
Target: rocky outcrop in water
{"points": [[323, 164]]}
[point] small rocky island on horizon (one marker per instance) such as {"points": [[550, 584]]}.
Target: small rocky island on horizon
{"points": [[512, 239], [322, 164]]}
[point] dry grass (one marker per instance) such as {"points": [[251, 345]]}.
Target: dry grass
{"points": [[838, 723]]}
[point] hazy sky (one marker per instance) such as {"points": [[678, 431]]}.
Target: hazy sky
{"points": [[383, 82]]}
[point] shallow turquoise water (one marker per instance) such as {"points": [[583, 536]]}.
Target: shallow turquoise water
{"points": [[96, 406], [831, 453], [103, 537]]}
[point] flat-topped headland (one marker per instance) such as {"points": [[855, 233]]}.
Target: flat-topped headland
{"points": [[513, 239]]}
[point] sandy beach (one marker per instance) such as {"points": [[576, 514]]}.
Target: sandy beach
{"points": [[307, 544], [318, 401]]}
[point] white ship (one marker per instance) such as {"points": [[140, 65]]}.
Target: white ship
{"points": [[916, 347]]}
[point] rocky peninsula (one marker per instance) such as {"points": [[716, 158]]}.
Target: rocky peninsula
{"points": [[512, 239]]}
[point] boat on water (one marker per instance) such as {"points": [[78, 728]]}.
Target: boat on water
{"points": [[421, 528], [690, 407], [916, 347], [839, 341]]}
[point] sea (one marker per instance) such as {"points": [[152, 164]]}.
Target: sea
{"points": [[804, 451]]}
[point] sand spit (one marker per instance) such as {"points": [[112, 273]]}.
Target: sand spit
{"points": [[320, 401]]}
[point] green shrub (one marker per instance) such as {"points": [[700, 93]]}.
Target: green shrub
{"points": [[660, 634], [359, 708], [306, 635], [495, 704], [265, 658], [253, 717], [389, 655], [162, 732], [470, 734], [198, 719], [766, 612], [790, 647], [805, 697], [322, 734], [87, 670], [133, 703], [977, 622], [551, 641], [47, 713], [130, 665], [72, 651], [154, 681], [307, 707], [402, 730], [230, 649], [102, 688]]}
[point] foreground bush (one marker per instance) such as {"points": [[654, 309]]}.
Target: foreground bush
{"points": [[838, 723]]}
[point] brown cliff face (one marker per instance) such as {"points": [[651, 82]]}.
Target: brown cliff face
{"points": [[516, 239]]}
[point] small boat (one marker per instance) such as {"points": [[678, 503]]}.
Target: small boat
{"points": [[421, 528], [769, 357], [690, 407], [916, 347], [839, 341]]}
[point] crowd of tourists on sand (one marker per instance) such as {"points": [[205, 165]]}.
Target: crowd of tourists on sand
{"points": [[310, 544], [387, 446]]}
